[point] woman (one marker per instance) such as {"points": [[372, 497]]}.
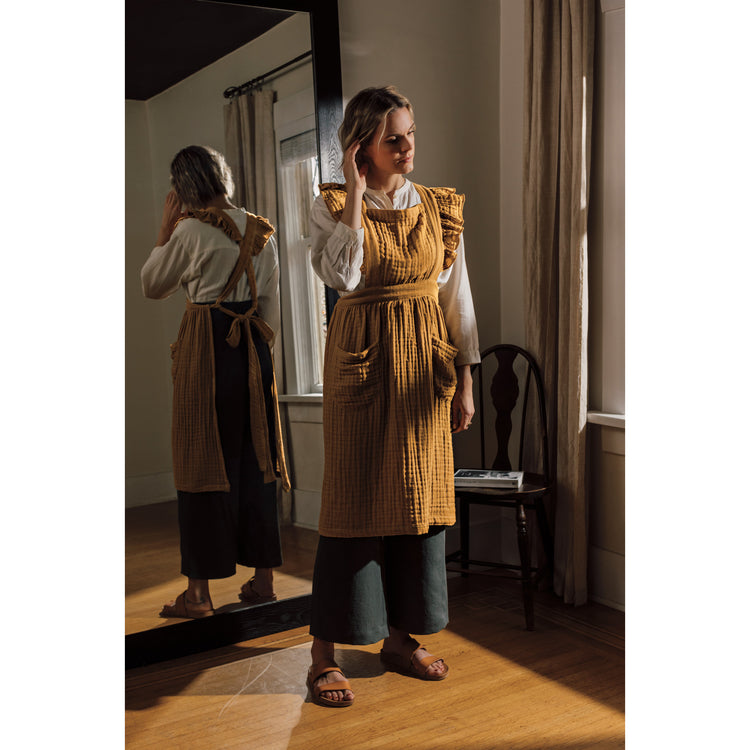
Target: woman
{"points": [[226, 441], [397, 382]]}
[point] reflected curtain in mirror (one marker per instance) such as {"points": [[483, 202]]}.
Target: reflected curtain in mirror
{"points": [[250, 151], [559, 62]]}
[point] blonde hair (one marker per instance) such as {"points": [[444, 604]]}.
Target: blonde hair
{"points": [[199, 174], [366, 112]]}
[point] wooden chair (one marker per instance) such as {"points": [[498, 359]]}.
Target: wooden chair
{"points": [[505, 372]]}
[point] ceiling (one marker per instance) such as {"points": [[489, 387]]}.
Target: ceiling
{"points": [[169, 40]]}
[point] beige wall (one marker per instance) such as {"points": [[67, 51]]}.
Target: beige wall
{"points": [[147, 387]]}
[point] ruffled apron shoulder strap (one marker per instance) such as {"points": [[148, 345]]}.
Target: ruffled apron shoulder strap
{"points": [[449, 206], [257, 232]]}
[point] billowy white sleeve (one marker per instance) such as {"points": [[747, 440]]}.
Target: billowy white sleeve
{"points": [[266, 267], [455, 299], [336, 252]]}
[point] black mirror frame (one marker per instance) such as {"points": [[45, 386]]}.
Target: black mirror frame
{"points": [[245, 623], [326, 56]]}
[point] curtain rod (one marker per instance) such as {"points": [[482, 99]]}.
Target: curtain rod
{"points": [[237, 90]]}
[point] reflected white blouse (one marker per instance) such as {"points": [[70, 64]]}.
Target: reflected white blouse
{"points": [[337, 256], [200, 258]]}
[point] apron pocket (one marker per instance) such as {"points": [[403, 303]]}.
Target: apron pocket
{"points": [[357, 376], [443, 368]]}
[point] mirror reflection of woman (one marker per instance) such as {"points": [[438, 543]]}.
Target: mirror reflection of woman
{"points": [[397, 383], [226, 444]]}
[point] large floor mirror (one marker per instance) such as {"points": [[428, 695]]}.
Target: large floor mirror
{"points": [[309, 66]]}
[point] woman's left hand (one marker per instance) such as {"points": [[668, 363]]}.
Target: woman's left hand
{"points": [[462, 406]]}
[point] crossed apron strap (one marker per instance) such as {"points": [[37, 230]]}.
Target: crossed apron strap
{"points": [[258, 416]]}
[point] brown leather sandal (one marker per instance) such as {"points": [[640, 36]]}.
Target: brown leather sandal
{"points": [[408, 666], [251, 596], [183, 607], [318, 670]]}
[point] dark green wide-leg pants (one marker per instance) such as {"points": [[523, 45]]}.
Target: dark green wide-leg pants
{"points": [[362, 585]]}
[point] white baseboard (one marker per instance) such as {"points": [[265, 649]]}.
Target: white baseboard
{"points": [[149, 489]]}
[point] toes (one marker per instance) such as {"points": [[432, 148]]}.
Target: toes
{"points": [[334, 695], [437, 669]]}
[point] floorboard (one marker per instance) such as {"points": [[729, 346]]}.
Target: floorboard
{"points": [[560, 687]]}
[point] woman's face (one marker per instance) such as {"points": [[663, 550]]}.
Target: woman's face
{"points": [[392, 148]]}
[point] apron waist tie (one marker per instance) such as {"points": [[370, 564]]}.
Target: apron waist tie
{"points": [[388, 293], [258, 415]]}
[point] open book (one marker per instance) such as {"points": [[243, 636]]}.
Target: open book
{"points": [[488, 478]]}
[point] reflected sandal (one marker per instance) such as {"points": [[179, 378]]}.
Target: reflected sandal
{"points": [[182, 607], [251, 596]]}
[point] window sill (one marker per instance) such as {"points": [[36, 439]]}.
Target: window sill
{"points": [[301, 398], [606, 419]]}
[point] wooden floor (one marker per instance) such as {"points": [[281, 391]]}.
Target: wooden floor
{"points": [[152, 567], [560, 687]]}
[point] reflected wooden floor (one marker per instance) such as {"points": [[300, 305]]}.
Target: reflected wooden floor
{"points": [[152, 565], [560, 687]]}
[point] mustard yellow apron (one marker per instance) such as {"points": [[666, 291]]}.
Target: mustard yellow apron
{"points": [[389, 376]]}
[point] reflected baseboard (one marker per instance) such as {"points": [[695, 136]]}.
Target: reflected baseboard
{"points": [[230, 625]]}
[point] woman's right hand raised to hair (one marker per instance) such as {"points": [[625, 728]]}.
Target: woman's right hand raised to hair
{"points": [[355, 188]]}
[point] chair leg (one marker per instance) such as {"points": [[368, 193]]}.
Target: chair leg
{"points": [[525, 555], [464, 513]]}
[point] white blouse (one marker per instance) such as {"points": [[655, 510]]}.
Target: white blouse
{"points": [[337, 256], [200, 257]]}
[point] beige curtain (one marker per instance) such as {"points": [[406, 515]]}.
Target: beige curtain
{"points": [[559, 53], [250, 152]]}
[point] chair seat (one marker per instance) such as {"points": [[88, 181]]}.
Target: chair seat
{"points": [[533, 486]]}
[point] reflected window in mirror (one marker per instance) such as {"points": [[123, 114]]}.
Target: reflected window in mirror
{"points": [[305, 325]]}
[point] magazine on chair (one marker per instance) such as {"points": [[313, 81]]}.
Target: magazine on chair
{"points": [[510, 480]]}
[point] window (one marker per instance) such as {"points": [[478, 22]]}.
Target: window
{"points": [[303, 293], [607, 218]]}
